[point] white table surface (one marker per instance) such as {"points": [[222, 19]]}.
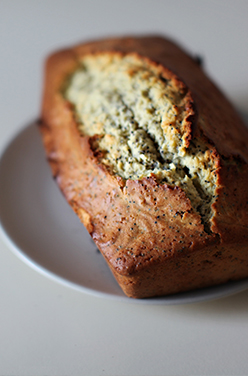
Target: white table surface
{"points": [[47, 329]]}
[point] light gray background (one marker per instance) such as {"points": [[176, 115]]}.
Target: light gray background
{"points": [[48, 329]]}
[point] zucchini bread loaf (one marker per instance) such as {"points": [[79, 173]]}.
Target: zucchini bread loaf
{"points": [[153, 159]]}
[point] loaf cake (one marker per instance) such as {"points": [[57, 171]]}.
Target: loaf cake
{"points": [[154, 161]]}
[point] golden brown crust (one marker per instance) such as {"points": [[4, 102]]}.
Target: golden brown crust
{"points": [[152, 239]]}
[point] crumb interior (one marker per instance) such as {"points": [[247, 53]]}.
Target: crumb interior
{"points": [[139, 117]]}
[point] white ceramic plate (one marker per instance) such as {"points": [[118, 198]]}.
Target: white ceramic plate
{"points": [[40, 227]]}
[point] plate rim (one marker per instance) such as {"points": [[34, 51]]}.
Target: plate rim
{"points": [[174, 299]]}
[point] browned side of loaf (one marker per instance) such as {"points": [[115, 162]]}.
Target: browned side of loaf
{"points": [[150, 237]]}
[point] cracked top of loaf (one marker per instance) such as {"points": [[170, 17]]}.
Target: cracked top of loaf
{"points": [[140, 117]]}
